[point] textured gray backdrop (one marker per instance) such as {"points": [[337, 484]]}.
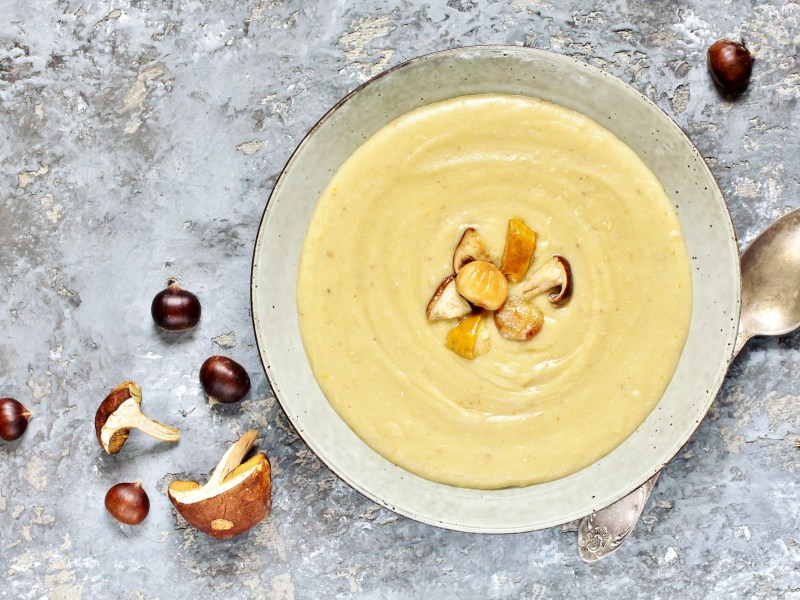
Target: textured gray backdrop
{"points": [[140, 140]]}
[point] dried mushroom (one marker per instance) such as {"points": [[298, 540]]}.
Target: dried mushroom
{"points": [[120, 412], [478, 284], [555, 273], [236, 497], [470, 248], [446, 302]]}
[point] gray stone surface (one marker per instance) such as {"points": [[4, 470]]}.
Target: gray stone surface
{"points": [[141, 140]]}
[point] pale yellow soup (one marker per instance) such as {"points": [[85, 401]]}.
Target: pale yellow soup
{"points": [[382, 239]]}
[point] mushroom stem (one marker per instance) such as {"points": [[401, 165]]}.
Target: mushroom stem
{"points": [[232, 458], [129, 415], [162, 432]]}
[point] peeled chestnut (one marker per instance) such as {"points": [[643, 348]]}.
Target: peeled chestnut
{"points": [[14, 419], [730, 64], [175, 309], [224, 380], [128, 503]]}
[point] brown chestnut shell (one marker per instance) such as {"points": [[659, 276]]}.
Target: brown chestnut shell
{"points": [[14, 419], [224, 380], [730, 64], [175, 309], [128, 503]]}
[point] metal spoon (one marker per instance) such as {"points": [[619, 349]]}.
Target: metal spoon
{"points": [[770, 306]]}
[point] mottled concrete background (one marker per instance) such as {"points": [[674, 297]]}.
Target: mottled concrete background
{"points": [[140, 140]]}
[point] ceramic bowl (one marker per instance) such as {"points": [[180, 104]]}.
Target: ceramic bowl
{"points": [[638, 122]]}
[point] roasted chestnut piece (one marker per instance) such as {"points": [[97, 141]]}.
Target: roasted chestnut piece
{"points": [[518, 320], [483, 284], [556, 274], [470, 337]]}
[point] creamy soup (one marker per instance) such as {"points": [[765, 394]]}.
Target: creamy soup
{"points": [[382, 239]]}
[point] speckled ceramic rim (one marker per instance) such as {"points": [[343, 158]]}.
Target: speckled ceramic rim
{"points": [[632, 117]]}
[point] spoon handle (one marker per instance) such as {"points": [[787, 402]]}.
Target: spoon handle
{"points": [[741, 339], [603, 531]]}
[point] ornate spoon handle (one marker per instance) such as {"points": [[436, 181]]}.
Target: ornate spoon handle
{"points": [[602, 532]]}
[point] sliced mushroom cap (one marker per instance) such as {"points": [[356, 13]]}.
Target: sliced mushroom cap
{"points": [[446, 302], [236, 497], [555, 273], [518, 320], [120, 412], [469, 248]]}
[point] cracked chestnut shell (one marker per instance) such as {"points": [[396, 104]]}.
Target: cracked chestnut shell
{"points": [[175, 309]]}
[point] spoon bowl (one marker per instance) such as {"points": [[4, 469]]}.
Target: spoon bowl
{"points": [[771, 279]]}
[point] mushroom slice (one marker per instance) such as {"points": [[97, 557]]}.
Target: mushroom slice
{"points": [[520, 245], [235, 498], [446, 302], [518, 320], [468, 338], [120, 412], [555, 273], [469, 248]]}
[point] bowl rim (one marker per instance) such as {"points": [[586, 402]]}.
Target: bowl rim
{"points": [[271, 379]]}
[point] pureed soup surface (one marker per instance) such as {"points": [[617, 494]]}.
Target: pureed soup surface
{"points": [[382, 239]]}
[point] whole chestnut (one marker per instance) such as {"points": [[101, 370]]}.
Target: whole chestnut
{"points": [[224, 380], [14, 419], [128, 502], [175, 309], [730, 64]]}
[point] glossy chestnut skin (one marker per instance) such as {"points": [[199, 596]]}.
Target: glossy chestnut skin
{"points": [[128, 503], [730, 64], [175, 309], [224, 380], [14, 419]]}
